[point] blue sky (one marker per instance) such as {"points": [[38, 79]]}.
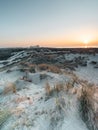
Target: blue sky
{"points": [[47, 22]]}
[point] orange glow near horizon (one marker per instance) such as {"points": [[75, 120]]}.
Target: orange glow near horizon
{"points": [[76, 37], [49, 23], [70, 40], [54, 43]]}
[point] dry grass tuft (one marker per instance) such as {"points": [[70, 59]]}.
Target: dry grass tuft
{"points": [[4, 114], [50, 68], [54, 69], [10, 88], [87, 91], [20, 99], [43, 66], [48, 89], [69, 85], [59, 87], [87, 110]]}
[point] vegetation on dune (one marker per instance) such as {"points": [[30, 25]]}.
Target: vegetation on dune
{"points": [[87, 107], [86, 92], [10, 88], [4, 115], [49, 67], [50, 91]]}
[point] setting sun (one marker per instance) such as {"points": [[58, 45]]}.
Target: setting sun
{"points": [[86, 41]]}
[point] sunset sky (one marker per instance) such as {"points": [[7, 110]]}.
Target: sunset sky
{"points": [[53, 23]]}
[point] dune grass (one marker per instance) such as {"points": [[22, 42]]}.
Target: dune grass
{"points": [[4, 115], [49, 68], [86, 108], [10, 88]]}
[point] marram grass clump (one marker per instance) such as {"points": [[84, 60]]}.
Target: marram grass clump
{"points": [[4, 115], [87, 109]]}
